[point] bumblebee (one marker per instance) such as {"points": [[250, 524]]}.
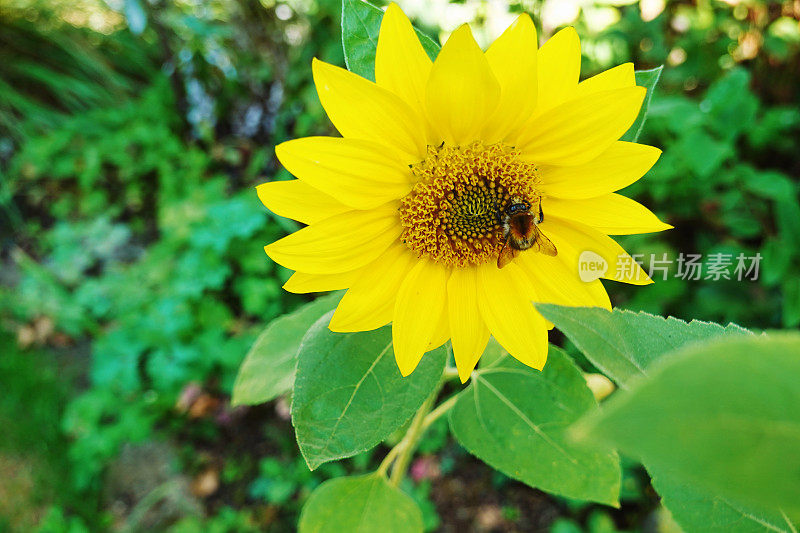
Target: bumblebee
{"points": [[521, 231]]}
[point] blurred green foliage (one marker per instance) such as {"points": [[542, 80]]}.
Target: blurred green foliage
{"points": [[130, 142]]}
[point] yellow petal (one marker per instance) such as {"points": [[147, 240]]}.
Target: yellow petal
{"points": [[462, 92], [302, 283], [338, 244], [442, 333], [299, 201], [578, 244], [417, 312], [557, 282], [504, 299], [559, 69], [468, 331], [361, 174], [612, 214], [512, 58], [618, 77], [369, 304], [620, 165], [581, 129], [361, 110], [401, 64]]}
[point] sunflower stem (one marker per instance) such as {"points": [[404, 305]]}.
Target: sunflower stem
{"points": [[439, 411], [431, 417], [402, 453], [389, 459], [450, 373], [410, 441]]}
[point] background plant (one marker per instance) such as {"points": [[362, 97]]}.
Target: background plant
{"points": [[133, 284]]}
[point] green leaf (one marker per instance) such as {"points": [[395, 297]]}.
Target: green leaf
{"points": [[268, 369], [349, 394], [768, 184], [360, 504], [492, 354], [515, 419], [622, 344], [702, 153], [695, 510], [791, 301], [647, 79], [730, 105], [724, 415], [361, 23]]}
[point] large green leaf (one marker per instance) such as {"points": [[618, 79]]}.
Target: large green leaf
{"points": [[361, 23], [723, 415], [349, 394], [622, 344], [515, 418], [268, 368], [360, 504], [647, 79], [695, 510]]}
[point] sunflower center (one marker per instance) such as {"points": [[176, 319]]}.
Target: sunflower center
{"points": [[455, 212]]}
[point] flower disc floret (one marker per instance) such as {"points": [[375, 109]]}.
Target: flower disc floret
{"points": [[453, 214]]}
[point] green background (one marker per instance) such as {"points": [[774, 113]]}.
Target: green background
{"points": [[133, 282]]}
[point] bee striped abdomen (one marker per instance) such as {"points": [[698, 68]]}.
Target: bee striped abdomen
{"points": [[520, 228]]}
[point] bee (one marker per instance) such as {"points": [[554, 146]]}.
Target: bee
{"points": [[521, 231]]}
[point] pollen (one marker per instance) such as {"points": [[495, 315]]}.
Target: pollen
{"points": [[454, 212]]}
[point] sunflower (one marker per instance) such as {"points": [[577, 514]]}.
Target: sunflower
{"points": [[463, 190]]}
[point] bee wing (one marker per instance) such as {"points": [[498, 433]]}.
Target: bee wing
{"points": [[506, 255], [542, 244]]}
